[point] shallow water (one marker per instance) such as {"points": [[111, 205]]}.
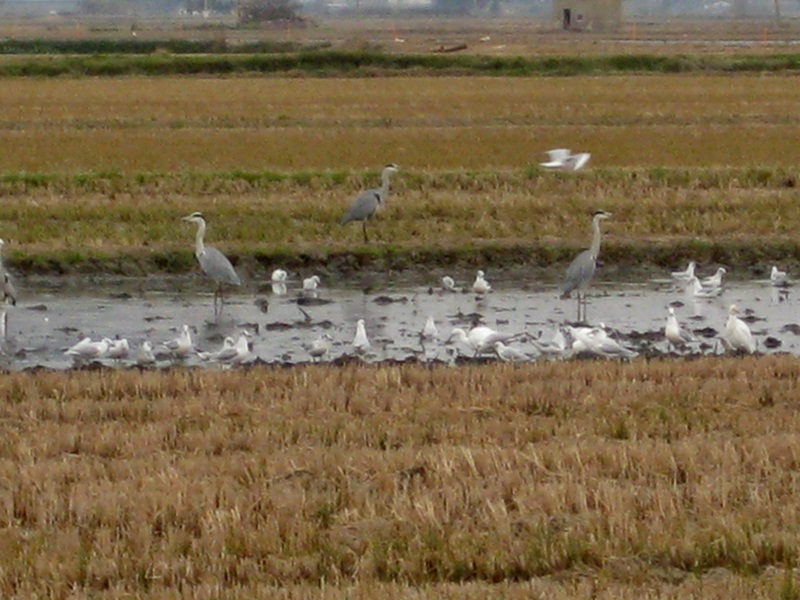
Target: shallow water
{"points": [[53, 314]]}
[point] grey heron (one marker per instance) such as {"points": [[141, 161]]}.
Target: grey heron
{"points": [[213, 262], [582, 268], [370, 201], [9, 292], [737, 332]]}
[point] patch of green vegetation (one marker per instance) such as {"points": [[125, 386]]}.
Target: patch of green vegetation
{"points": [[114, 58], [139, 46]]}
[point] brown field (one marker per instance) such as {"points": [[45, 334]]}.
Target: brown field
{"points": [[216, 124], [463, 144], [593, 479]]}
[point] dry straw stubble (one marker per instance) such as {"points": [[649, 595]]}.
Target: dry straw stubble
{"points": [[658, 473]]}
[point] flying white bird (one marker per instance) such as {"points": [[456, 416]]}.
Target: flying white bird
{"points": [[481, 286], [737, 332], [563, 159]]}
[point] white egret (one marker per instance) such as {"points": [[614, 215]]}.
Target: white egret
{"points": [[778, 277], [481, 286], [430, 331], [448, 284], [360, 341], [279, 275], [737, 332]]}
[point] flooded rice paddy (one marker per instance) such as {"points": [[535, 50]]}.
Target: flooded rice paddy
{"points": [[53, 314]]}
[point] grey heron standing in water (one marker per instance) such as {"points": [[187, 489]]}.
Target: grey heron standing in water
{"points": [[7, 286], [582, 268], [370, 201], [213, 262]]}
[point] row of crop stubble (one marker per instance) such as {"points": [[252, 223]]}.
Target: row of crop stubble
{"points": [[744, 218], [649, 473]]}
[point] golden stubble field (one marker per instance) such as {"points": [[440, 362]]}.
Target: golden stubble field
{"points": [[255, 123], [601, 480]]}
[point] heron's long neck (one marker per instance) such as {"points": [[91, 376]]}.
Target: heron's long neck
{"points": [[595, 248], [199, 248]]}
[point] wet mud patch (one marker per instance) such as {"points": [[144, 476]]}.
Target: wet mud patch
{"points": [[55, 313]]}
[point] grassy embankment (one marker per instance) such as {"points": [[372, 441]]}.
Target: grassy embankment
{"points": [[670, 476], [96, 172]]}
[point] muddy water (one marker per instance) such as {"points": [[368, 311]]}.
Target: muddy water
{"points": [[53, 314]]}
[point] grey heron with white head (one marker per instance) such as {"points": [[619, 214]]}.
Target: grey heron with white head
{"points": [[370, 201], [582, 268], [213, 262]]}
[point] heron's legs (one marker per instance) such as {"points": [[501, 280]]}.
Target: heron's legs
{"points": [[364, 227]]}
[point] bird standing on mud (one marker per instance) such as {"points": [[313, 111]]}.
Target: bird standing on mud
{"points": [[370, 201], [582, 268], [213, 262]]}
